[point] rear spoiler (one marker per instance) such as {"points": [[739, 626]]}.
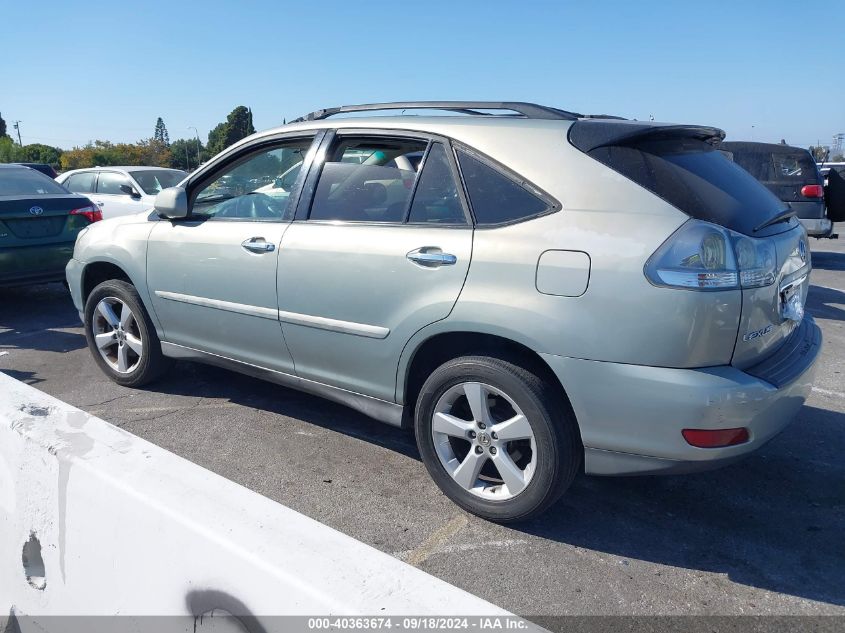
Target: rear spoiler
{"points": [[589, 134]]}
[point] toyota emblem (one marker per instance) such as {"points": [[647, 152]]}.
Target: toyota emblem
{"points": [[802, 251], [36, 210]]}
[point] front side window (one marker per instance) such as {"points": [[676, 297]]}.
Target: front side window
{"points": [[494, 197], [254, 187], [81, 183], [109, 183], [367, 180]]}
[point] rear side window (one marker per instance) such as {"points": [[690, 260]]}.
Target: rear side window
{"points": [[109, 183], [81, 183], [495, 198], [697, 179], [436, 198], [367, 180]]}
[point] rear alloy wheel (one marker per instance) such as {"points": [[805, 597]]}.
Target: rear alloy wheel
{"points": [[121, 336], [496, 438]]}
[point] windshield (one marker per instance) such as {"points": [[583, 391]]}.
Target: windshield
{"points": [[154, 180], [28, 182]]}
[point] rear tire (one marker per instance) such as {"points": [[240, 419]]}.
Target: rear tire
{"points": [[496, 438], [121, 336]]}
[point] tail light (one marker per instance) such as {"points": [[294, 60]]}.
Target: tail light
{"points": [[716, 438], [812, 191], [705, 256], [92, 213]]}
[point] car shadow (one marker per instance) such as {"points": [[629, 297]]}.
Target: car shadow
{"points": [[772, 521], [828, 260], [826, 303], [28, 312], [198, 380]]}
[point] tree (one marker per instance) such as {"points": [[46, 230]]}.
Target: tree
{"points": [[38, 153], [2, 127], [8, 150], [184, 153], [160, 133], [237, 125], [819, 153]]}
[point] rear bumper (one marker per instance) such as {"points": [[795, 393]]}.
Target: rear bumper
{"points": [[631, 416], [817, 227], [25, 265]]}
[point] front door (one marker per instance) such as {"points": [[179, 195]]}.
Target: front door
{"points": [[382, 251], [212, 276]]}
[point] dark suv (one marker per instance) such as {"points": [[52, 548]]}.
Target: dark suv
{"points": [[791, 174]]}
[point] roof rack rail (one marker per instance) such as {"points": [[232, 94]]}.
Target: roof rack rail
{"points": [[528, 110]]}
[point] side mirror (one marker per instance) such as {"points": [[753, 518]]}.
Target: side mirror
{"points": [[172, 203], [129, 190]]}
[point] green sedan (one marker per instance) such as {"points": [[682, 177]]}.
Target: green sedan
{"points": [[39, 222]]}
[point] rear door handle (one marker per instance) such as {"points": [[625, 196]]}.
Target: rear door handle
{"points": [[258, 245], [431, 257]]}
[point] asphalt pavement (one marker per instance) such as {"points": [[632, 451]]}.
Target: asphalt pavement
{"points": [[765, 536]]}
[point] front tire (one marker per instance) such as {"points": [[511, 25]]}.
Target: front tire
{"points": [[120, 335], [496, 438]]}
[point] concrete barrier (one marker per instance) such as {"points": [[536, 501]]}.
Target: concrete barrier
{"points": [[96, 521]]}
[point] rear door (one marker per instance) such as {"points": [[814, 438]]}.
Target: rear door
{"points": [[379, 249]]}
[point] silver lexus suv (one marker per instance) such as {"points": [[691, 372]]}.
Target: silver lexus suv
{"points": [[534, 292]]}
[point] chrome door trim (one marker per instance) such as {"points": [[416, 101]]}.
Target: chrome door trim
{"points": [[322, 323], [334, 325], [219, 304], [381, 410]]}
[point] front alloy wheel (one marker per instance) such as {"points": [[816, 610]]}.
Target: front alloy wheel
{"points": [[120, 335], [117, 335]]}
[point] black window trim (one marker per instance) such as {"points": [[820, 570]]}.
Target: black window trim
{"points": [[553, 204], [309, 188], [240, 156], [93, 172]]}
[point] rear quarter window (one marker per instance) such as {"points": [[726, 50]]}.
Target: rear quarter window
{"points": [[497, 198]]}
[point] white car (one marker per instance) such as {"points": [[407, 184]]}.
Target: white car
{"points": [[121, 190]]}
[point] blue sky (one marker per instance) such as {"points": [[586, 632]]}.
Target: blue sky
{"points": [[78, 71]]}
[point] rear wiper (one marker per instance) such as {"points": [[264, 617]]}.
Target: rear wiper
{"points": [[777, 219]]}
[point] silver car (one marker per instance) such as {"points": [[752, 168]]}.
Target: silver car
{"points": [[535, 294]]}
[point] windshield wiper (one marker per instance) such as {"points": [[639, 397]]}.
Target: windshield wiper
{"points": [[784, 216]]}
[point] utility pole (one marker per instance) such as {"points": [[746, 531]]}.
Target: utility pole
{"points": [[187, 160], [17, 126], [191, 127]]}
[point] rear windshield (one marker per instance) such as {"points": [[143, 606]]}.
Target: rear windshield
{"points": [[154, 180], [775, 167], [24, 181], [699, 180]]}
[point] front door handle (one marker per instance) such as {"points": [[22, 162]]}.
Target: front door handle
{"points": [[258, 245], [431, 257]]}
